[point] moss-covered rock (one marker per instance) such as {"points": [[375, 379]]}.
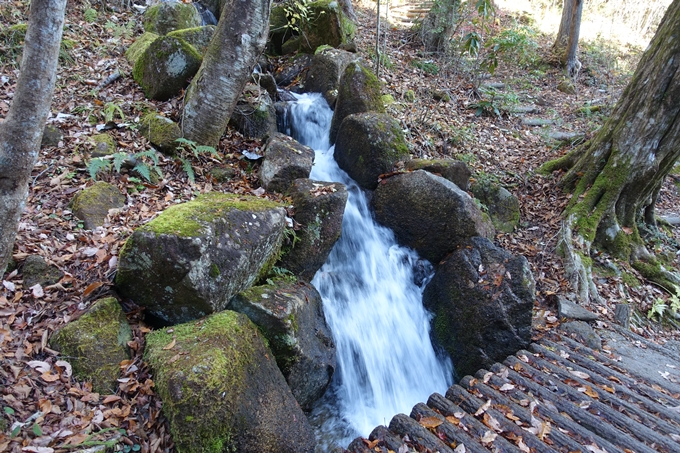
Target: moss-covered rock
{"points": [[290, 315], [92, 204], [503, 207], [369, 145], [319, 207], [326, 24], [358, 92], [161, 131], [285, 160], [138, 47], [95, 344], [222, 391], [164, 17], [482, 299], [103, 145], [454, 170], [278, 30], [429, 213], [193, 258], [328, 65], [37, 271], [254, 115], [165, 67], [52, 135], [198, 37]]}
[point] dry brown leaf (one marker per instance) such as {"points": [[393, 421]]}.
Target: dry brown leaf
{"points": [[430, 422], [170, 345], [111, 399], [488, 437], [483, 408]]}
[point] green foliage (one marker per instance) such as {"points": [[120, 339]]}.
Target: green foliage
{"points": [[187, 149], [514, 44], [120, 31], [427, 66], [297, 13], [142, 166], [110, 110], [660, 306], [280, 273], [486, 107], [90, 15]]}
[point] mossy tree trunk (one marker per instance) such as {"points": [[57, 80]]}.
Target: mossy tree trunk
{"points": [[616, 177], [438, 26], [565, 46], [21, 131], [227, 65]]}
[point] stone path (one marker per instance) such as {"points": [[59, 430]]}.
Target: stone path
{"points": [[407, 12], [559, 396]]}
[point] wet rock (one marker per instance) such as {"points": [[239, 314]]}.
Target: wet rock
{"points": [[161, 131], [369, 145], [36, 271], [95, 344], [359, 92], [581, 331], [268, 83], [165, 67], [429, 213], [622, 315], [290, 315], [164, 17], [93, 204], [454, 170], [285, 160], [482, 300], [254, 115], [222, 174], [503, 207], [319, 207], [325, 71], [222, 391], [194, 257], [290, 72]]}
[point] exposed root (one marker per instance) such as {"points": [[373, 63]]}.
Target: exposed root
{"points": [[577, 264]]}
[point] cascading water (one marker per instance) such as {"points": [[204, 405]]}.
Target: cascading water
{"points": [[372, 298]]}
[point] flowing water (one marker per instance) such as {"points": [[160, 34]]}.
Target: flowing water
{"points": [[372, 298]]}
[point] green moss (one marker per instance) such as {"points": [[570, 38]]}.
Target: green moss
{"points": [[630, 280], [162, 132], [104, 145], [410, 96], [140, 45], [189, 219], [214, 271]]}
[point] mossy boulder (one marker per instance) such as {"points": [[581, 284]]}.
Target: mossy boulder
{"points": [[285, 160], [323, 76], [319, 207], [165, 67], [198, 37], [93, 204], [455, 171], [222, 391], [327, 24], [482, 299], [290, 315], [138, 47], [161, 131], [358, 92], [278, 29], [36, 271], [368, 145], [194, 257], [51, 136], [503, 207], [429, 213], [164, 17], [254, 115], [95, 344], [103, 145]]}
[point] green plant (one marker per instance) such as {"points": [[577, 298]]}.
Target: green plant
{"points": [[186, 149], [427, 66], [486, 107], [139, 160], [110, 110], [297, 13], [120, 31], [660, 306], [280, 273], [90, 15]]}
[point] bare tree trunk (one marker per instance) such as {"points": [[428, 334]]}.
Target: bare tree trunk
{"points": [[438, 27], [21, 132], [566, 44], [572, 64], [348, 9], [616, 177], [227, 65]]}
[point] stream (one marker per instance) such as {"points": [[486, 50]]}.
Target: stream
{"points": [[372, 298]]}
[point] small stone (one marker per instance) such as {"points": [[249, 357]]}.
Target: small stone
{"points": [[524, 109], [52, 135], [536, 121], [566, 87], [562, 136], [410, 96], [622, 315], [222, 174], [568, 309], [92, 205], [37, 271], [582, 332], [104, 145]]}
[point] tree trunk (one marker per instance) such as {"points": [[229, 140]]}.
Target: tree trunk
{"points": [[348, 9], [616, 177], [438, 27], [21, 132], [227, 65], [565, 46]]}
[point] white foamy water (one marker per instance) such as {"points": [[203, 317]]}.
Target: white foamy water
{"points": [[372, 298]]}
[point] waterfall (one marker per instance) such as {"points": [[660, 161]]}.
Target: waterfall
{"points": [[372, 298]]}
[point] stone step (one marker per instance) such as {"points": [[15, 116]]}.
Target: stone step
{"points": [[558, 396]]}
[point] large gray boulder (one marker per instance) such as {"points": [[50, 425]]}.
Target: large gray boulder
{"points": [[455, 171], [369, 145], [319, 207], [503, 207], [285, 160], [429, 213], [165, 67], [193, 258], [164, 17], [289, 314], [254, 115], [95, 344], [325, 71], [482, 299], [358, 92], [222, 391]]}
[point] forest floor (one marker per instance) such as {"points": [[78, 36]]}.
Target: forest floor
{"points": [[50, 412]]}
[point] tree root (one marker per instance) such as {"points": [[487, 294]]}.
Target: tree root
{"points": [[577, 264]]}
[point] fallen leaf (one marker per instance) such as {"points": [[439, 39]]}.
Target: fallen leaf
{"points": [[68, 371], [483, 408], [460, 449], [430, 422], [492, 423], [111, 399], [489, 437], [579, 374], [91, 287], [37, 291], [39, 366], [170, 345], [506, 387]]}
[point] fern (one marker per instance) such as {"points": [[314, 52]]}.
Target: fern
{"points": [[143, 169], [118, 159], [96, 165], [189, 170]]}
